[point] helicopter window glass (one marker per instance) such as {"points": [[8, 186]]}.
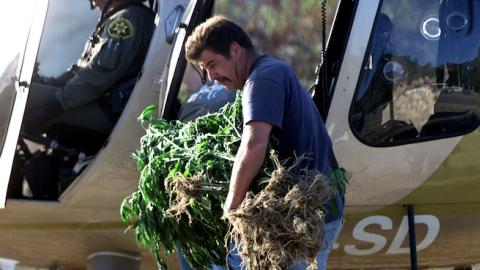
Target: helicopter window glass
{"points": [[62, 42], [14, 26], [421, 74]]}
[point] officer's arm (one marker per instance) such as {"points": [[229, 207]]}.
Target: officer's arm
{"points": [[111, 64], [58, 81]]}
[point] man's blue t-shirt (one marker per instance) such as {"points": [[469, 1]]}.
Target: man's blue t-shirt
{"points": [[272, 93]]}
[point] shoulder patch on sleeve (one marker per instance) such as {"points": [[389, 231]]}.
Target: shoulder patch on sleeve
{"points": [[120, 28]]}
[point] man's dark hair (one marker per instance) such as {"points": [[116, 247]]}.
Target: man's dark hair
{"points": [[216, 34]]}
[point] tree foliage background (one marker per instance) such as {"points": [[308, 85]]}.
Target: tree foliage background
{"points": [[290, 30]]}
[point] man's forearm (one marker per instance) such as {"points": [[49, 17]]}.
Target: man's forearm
{"points": [[248, 162]]}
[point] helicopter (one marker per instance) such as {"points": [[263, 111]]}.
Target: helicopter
{"points": [[396, 87]]}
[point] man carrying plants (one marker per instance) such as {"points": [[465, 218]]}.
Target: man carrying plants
{"points": [[274, 105]]}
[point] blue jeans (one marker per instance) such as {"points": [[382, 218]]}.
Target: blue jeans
{"points": [[182, 262], [185, 266], [332, 231]]}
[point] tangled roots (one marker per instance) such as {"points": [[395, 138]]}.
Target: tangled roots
{"points": [[183, 190], [283, 223]]}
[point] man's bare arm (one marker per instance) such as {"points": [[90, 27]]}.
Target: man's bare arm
{"points": [[248, 161]]}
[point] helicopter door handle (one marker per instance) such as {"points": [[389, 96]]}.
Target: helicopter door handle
{"points": [[182, 25], [24, 84]]}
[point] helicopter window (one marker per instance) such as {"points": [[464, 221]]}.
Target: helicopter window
{"points": [[33, 164], [420, 74], [67, 27], [68, 39]]}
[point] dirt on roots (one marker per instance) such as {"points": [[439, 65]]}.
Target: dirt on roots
{"points": [[282, 224]]}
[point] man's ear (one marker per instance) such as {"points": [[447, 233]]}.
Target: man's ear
{"points": [[235, 49]]}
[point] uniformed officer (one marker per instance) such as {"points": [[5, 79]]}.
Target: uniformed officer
{"points": [[112, 58]]}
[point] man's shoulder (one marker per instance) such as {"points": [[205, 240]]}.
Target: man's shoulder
{"points": [[270, 68], [268, 62]]}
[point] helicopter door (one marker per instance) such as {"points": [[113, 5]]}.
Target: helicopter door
{"points": [[21, 24], [197, 12]]}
